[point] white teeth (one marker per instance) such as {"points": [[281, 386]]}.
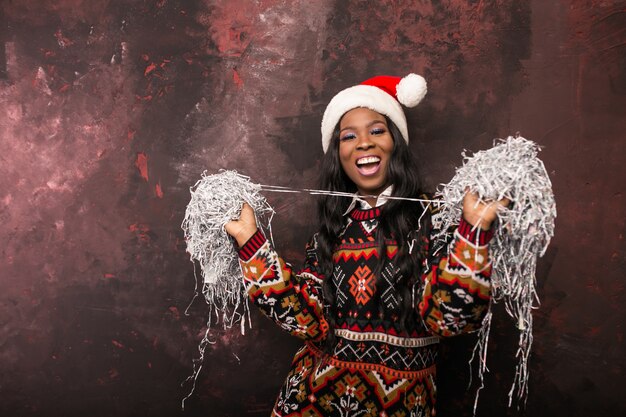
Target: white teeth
{"points": [[368, 160]]}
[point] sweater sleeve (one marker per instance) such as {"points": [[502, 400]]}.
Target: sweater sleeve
{"points": [[457, 283], [292, 300]]}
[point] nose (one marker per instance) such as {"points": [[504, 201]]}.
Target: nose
{"points": [[364, 142]]}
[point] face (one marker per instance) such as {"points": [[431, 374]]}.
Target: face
{"points": [[365, 147]]}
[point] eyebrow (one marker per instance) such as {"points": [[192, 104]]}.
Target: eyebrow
{"points": [[373, 122]]}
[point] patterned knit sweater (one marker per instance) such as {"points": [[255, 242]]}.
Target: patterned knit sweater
{"points": [[377, 368]]}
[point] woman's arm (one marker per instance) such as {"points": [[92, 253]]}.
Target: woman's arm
{"points": [[457, 285], [291, 300]]}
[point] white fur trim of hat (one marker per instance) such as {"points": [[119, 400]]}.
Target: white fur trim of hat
{"points": [[383, 94]]}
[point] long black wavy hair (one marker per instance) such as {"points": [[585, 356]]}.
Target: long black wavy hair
{"points": [[399, 221]]}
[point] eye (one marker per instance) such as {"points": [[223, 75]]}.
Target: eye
{"points": [[377, 131], [347, 136]]}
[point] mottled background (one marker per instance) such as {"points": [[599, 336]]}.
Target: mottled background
{"points": [[111, 109]]}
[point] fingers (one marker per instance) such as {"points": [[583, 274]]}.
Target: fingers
{"points": [[247, 214], [232, 227], [243, 228], [504, 202], [490, 209], [474, 199], [482, 212]]}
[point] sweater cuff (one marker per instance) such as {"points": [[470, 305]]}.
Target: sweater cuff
{"points": [[484, 236], [252, 246]]}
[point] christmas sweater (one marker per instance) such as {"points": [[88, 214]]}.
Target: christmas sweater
{"points": [[377, 367]]}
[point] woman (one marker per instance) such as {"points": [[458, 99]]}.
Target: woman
{"points": [[376, 292]]}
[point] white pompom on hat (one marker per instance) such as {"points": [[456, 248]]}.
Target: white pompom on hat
{"points": [[383, 94]]}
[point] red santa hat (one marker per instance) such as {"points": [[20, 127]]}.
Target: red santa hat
{"points": [[383, 94]]}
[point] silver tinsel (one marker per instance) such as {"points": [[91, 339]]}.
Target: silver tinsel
{"points": [[509, 170], [216, 200]]}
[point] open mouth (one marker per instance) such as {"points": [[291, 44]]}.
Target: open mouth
{"points": [[368, 165]]}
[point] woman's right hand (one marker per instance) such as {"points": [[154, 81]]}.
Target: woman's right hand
{"points": [[243, 228]]}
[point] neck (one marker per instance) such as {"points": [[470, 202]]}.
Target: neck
{"points": [[372, 197], [371, 200]]}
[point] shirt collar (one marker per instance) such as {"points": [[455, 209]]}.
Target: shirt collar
{"points": [[364, 205]]}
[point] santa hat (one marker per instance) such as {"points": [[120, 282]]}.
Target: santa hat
{"points": [[383, 94]]}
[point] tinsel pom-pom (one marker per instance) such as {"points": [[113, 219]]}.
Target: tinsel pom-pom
{"points": [[216, 200], [510, 170]]}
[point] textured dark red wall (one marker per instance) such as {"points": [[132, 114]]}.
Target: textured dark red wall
{"points": [[112, 109]]}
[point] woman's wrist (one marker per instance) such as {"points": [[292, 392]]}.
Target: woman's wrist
{"points": [[477, 221], [244, 235]]}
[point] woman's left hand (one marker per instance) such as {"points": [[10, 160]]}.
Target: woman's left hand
{"points": [[481, 213]]}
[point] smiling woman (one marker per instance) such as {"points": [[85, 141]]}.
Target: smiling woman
{"points": [[377, 290]]}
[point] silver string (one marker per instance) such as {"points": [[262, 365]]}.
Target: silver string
{"points": [[281, 189]]}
